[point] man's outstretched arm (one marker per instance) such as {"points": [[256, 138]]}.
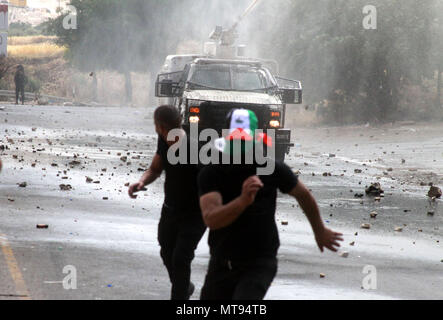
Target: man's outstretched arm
{"points": [[324, 236], [148, 177], [217, 216]]}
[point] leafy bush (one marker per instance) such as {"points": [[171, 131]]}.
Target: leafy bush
{"points": [[21, 29], [33, 85]]}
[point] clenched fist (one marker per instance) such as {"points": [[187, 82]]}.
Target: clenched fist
{"points": [[250, 188]]}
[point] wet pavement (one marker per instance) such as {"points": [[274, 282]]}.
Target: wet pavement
{"points": [[111, 240]]}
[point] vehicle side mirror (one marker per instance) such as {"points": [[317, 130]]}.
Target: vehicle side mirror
{"points": [[164, 88], [168, 84], [292, 96], [291, 90]]}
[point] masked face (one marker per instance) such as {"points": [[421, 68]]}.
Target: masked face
{"points": [[242, 128]]}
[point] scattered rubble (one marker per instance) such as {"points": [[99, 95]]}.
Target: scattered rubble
{"points": [[74, 163], [374, 189], [65, 187], [434, 192]]}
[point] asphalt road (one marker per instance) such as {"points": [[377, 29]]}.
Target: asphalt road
{"points": [[111, 240]]}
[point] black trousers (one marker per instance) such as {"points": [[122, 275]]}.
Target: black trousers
{"points": [[245, 280], [178, 236], [20, 89]]}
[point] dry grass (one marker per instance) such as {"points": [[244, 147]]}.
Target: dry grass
{"points": [[34, 47], [36, 51], [19, 41]]}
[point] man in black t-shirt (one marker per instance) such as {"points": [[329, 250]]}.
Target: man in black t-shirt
{"points": [[239, 208], [181, 225]]}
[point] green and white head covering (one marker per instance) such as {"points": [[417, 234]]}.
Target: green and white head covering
{"points": [[242, 126], [244, 120]]}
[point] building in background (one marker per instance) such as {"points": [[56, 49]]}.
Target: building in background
{"points": [[34, 12], [52, 5]]}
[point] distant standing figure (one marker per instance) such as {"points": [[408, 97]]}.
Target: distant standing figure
{"points": [[20, 80]]}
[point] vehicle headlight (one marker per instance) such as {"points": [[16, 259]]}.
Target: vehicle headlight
{"points": [[274, 123], [194, 119]]}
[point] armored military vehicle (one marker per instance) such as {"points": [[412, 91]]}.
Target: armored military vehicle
{"points": [[205, 87]]}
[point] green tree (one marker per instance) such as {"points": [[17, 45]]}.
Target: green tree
{"points": [[358, 72], [104, 38], [135, 35]]}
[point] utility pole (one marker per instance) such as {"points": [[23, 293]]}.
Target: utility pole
{"points": [[4, 27]]}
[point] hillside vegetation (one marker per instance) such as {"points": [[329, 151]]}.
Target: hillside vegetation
{"points": [[34, 47]]}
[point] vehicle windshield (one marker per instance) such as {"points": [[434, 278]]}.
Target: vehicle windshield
{"points": [[229, 77]]}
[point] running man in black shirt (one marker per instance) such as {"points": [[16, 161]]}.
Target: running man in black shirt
{"points": [[239, 208], [181, 225]]}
